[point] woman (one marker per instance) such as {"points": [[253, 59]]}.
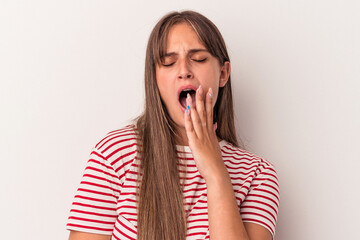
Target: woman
{"points": [[178, 171]]}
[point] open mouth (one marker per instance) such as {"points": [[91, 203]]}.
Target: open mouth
{"points": [[183, 95]]}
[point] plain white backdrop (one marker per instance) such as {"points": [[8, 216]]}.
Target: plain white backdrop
{"points": [[71, 71]]}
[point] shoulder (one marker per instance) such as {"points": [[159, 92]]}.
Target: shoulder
{"points": [[240, 156], [118, 144], [255, 184]]}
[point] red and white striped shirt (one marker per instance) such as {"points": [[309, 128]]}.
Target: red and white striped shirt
{"points": [[105, 202]]}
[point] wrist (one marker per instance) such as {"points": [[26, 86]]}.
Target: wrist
{"points": [[218, 177]]}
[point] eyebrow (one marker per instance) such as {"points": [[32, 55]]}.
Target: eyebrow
{"points": [[191, 51]]}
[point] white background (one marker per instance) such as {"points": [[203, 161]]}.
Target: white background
{"points": [[71, 71]]}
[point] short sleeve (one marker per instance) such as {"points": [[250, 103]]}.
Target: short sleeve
{"points": [[94, 207], [261, 205]]}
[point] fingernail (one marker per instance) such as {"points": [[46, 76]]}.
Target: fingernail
{"points": [[188, 99], [200, 90], [187, 110], [210, 92], [215, 126]]}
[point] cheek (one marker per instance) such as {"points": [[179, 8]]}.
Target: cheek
{"points": [[210, 79], [161, 82], [164, 86], [212, 72], [163, 77]]}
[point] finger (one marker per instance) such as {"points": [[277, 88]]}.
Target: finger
{"points": [[194, 117], [189, 128], [200, 106], [209, 109]]}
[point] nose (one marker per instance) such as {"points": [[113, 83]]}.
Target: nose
{"points": [[184, 70]]}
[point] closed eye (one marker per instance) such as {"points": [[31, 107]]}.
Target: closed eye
{"points": [[200, 60], [196, 60], [168, 65]]}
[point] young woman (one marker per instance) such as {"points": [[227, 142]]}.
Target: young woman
{"points": [[178, 172]]}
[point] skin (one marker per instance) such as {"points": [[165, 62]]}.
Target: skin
{"points": [[76, 235], [195, 129], [224, 217]]}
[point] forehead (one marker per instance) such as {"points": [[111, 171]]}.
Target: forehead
{"points": [[182, 36]]}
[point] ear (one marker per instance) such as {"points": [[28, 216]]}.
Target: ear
{"points": [[224, 74]]}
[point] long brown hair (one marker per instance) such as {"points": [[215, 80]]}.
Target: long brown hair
{"points": [[160, 202]]}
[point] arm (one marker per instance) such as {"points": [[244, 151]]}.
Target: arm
{"points": [[224, 217], [76, 235], [225, 221]]}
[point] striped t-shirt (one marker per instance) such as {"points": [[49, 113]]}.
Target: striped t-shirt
{"points": [[105, 202]]}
